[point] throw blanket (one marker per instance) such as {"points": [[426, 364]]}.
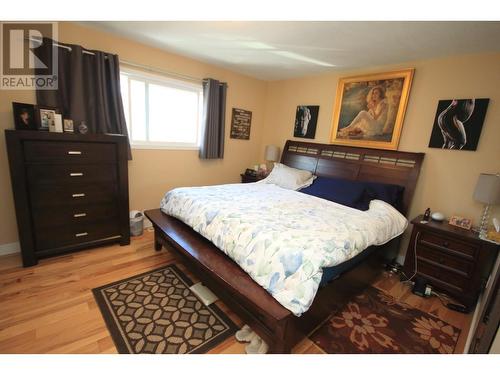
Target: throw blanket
{"points": [[282, 238]]}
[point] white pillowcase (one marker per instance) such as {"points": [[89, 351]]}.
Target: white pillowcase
{"points": [[288, 178]]}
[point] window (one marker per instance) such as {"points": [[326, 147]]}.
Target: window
{"points": [[161, 112]]}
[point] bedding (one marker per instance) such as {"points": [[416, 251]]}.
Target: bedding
{"points": [[288, 177], [355, 194], [282, 238]]}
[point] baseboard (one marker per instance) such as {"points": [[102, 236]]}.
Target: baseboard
{"points": [[10, 248]]}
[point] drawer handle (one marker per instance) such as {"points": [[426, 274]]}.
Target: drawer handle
{"points": [[83, 214], [83, 234], [74, 152], [78, 195], [76, 174]]}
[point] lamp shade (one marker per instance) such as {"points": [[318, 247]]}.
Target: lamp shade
{"points": [[272, 153], [488, 189]]}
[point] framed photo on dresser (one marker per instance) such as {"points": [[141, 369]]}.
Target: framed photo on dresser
{"points": [[24, 116], [45, 117]]}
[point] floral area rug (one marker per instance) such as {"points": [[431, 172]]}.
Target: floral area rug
{"points": [[374, 322]]}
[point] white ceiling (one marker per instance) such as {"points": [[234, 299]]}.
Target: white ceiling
{"points": [[280, 50]]}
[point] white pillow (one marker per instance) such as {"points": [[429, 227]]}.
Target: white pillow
{"points": [[289, 178]]}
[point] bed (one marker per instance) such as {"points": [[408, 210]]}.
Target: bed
{"points": [[277, 325]]}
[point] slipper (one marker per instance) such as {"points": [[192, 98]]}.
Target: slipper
{"points": [[254, 346], [245, 334]]}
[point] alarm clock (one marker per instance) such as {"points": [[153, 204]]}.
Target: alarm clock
{"points": [[437, 216]]}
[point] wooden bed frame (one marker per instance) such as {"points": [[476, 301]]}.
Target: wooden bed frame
{"points": [[275, 324]]}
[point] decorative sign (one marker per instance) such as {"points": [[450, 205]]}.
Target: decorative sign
{"points": [[240, 123]]}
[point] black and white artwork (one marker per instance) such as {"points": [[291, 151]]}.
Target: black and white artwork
{"points": [[458, 124], [306, 119]]}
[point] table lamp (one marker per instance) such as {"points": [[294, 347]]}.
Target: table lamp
{"points": [[272, 153], [488, 192]]}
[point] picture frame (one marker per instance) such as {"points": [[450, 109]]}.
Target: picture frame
{"points": [[306, 120], [68, 126], [461, 222], [458, 123], [24, 116], [45, 117], [241, 122], [369, 109]]}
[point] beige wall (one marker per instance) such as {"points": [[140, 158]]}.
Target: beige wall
{"points": [[152, 172], [448, 177]]}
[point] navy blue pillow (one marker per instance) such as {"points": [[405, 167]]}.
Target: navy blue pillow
{"points": [[345, 192], [355, 194], [392, 194]]}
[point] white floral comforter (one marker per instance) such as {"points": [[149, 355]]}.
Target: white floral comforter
{"points": [[282, 238]]}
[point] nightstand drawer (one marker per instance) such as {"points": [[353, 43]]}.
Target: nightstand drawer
{"points": [[431, 239], [451, 278], [460, 265]]}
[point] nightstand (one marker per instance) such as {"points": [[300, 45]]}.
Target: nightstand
{"points": [[247, 178], [453, 260]]}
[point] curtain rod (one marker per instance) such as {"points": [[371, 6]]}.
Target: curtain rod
{"points": [[161, 71], [140, 66]]}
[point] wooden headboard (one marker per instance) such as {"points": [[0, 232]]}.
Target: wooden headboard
{"points": [[354, 163]]}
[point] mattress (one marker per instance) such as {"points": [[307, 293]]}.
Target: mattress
{"points": [[283, 239]]}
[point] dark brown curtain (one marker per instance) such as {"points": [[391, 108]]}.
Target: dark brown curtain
{"points": [[88, 89], [214, 117]]}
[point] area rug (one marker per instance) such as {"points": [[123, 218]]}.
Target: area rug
{"points": [[374, 322], [156, 313]]}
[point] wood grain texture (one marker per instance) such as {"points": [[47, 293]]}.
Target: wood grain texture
{"points": [[66, 175], [50, 308]]}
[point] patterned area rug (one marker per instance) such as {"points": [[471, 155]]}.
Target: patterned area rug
{"points": [[156, 312], [375, 322]]}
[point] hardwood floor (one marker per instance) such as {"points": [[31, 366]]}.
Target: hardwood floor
{"points": [[50, 308]]}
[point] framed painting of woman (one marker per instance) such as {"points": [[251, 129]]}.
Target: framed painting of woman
{"points": [[369, 110]]}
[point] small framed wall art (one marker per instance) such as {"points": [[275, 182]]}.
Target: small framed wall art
{"points": [[306, 119], [241, 121]]}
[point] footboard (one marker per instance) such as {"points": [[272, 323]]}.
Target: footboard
{"points": [[271, 321]]}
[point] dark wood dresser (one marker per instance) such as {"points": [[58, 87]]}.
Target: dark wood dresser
{"points": [[453, 260], [70, 191]]}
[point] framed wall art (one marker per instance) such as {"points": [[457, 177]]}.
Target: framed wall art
{"points": [[306, 119], [241, 120], [369, 110], [458, 124]]}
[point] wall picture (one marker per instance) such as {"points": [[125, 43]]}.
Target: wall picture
{"points": [[24, 116], [369, 110], [241, 120], [458, 124], [306, 119]]}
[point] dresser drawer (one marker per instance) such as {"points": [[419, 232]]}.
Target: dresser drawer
{"points": [[460, 265], [74, 214], [430, 239], [71, 174], [71, 195], [69, 152], [72, 234]]}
